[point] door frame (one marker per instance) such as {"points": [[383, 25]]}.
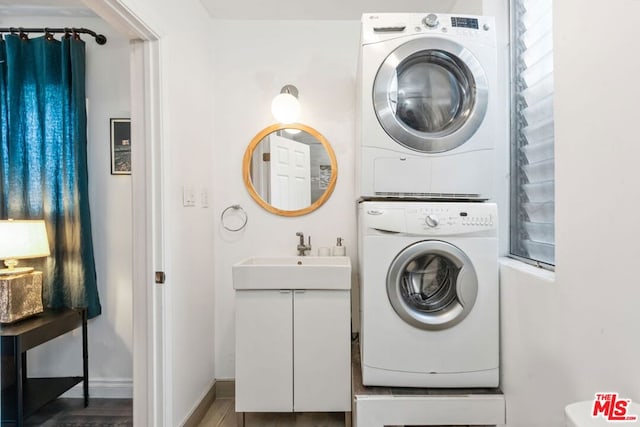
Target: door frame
{"points": [[151, 375]]}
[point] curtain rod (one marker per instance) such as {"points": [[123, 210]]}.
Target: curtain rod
{"points": [[100, 39]]}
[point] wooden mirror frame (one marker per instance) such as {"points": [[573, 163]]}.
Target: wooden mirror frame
{"points": [[246, 169]]}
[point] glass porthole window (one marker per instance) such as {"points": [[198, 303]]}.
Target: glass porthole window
{"points": [[432, 285], [430, 95], [435, 92], [428, 283]]}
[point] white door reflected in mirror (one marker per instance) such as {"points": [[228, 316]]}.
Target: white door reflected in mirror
{"points": [[290, 173]]}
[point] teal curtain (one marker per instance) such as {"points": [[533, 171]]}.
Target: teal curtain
{"points": [[43, 153]]}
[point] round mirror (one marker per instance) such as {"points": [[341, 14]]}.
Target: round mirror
{"points": [[290, 169]]}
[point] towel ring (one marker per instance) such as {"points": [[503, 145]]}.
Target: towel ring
{"points": [[242, 213]]}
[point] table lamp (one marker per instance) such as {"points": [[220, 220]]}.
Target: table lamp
{"points": [[21, 287]]}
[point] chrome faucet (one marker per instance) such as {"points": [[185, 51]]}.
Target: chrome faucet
{"points": [[302, 248]]}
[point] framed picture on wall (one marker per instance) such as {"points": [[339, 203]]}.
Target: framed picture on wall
{"points": [[120, 146]]}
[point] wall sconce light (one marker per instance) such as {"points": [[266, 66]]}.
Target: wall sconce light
{"points": [[22, 239], [285, 107]]}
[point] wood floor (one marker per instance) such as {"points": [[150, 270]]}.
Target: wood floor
{"points": [[72, 413], [119, 413], [222, 414]]}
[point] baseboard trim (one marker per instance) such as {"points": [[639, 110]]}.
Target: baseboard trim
{"points": [[104, 388], [198, 413], [225, 389]]}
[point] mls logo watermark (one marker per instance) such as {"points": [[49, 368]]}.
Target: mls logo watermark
{"points": [[612, 408]]}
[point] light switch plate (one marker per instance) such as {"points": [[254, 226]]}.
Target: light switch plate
{"points": [[188, 196], [204, 197]]}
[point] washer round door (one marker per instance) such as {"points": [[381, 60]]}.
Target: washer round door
{"points": [[432, 285], [430, 95]]}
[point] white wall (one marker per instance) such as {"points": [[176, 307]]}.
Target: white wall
{"points": [[570, 335], [332, 9], [254, 59], [110, 335], [184, 30]]}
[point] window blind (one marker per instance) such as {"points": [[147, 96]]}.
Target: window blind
{"points": [[532, 135]]}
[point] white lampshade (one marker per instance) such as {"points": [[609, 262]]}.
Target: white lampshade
{"points": [[22, 239], [285, 108]]}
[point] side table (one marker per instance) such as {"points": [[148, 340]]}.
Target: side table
{"points": [[22, 395]]}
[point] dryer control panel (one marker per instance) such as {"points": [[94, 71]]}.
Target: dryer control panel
{"points": [[430, 218], [384, 26]]}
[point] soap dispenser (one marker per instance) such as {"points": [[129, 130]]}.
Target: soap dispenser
{"points": [[339, 250]]}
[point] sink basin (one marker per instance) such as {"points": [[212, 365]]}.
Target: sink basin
{"points": [[293, 272]]}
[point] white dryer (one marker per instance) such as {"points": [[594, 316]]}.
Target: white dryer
{"points": [[426, 106], [428, 294]]}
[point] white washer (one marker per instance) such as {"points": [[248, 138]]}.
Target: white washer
{"points": [[426, 106], [429, 294]]}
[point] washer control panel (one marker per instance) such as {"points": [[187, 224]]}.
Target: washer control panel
{"points": [[443, 216], [450, 218], [430, 218]]}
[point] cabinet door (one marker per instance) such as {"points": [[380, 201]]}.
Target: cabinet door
{"points": [[264, 351], [322, 351]]}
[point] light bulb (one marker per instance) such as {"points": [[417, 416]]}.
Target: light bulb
{"points": [[285, 108]]}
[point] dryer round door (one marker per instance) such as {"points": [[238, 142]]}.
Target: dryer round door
{"points": [[432, 285], [430, 94]]}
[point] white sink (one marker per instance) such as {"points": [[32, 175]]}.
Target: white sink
{"points": [[293, 272]]}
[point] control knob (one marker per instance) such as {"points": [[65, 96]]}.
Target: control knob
{"points": [[431, 20], [432, 221]]}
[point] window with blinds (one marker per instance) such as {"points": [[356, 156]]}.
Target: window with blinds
{"points": [[532, 135]]}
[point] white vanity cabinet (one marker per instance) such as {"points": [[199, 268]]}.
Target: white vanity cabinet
{"points": [[293, 348], [322, 351], [264, 351]]}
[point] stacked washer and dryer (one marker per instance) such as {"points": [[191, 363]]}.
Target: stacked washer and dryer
{"points": [[427, 248]]}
